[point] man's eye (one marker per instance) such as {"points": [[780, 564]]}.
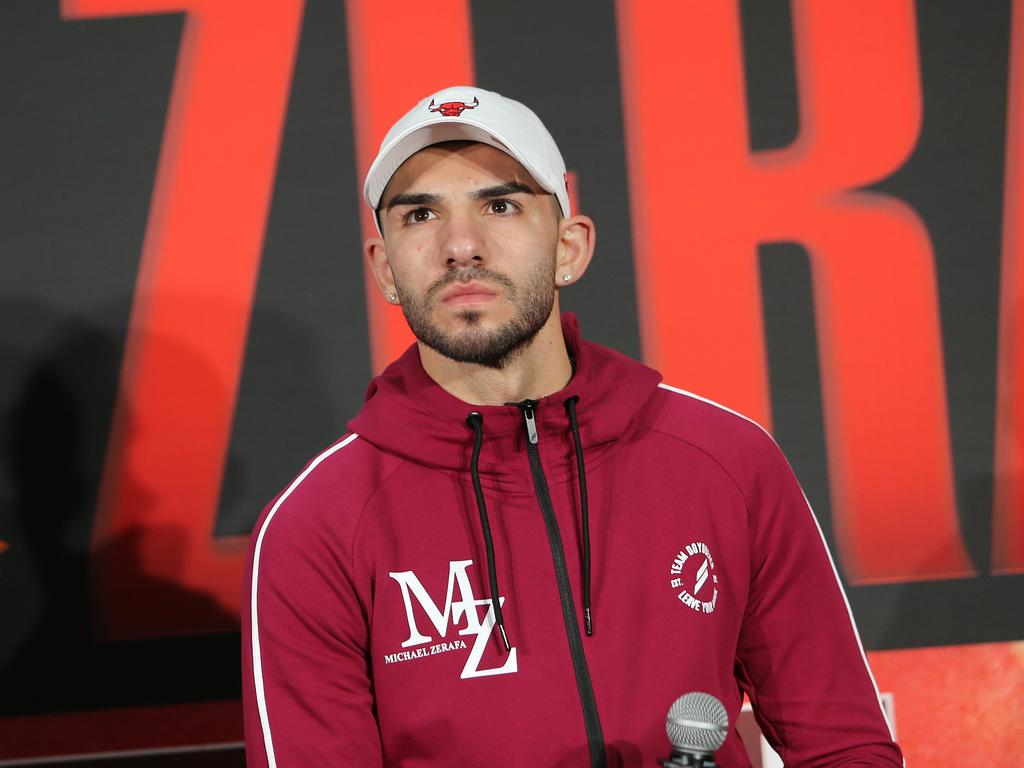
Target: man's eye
{"points": [[502, 207], [418, 215]]}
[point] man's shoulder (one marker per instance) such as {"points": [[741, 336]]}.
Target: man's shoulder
{"points": [[727, 435], [738, 445], [331, 491], [692, 412]]}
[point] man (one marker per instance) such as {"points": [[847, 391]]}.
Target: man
{"points": [[527, 548]]}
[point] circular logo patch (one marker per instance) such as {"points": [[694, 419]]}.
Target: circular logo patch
{"points": [[693, 579]]}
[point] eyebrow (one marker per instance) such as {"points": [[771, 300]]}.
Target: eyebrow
{"points": [[508, 188], [418, 198]]}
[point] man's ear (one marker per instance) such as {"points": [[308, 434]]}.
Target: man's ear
{"points": [[376, 256], [577, 237]]}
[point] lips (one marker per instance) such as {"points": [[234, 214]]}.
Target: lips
{"points": [[467, 293]]}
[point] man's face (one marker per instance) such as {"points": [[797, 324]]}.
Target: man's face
{"points": [[470, 240]]}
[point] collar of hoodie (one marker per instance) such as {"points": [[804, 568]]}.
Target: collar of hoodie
{"points": [[408, 414]]}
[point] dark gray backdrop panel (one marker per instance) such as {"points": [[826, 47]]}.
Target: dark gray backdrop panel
{"points": [[954, 179]]}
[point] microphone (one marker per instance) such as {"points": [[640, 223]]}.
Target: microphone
{"points": [[696, 725]]}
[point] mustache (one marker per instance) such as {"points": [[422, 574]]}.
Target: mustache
{"points": [[468, 275]]}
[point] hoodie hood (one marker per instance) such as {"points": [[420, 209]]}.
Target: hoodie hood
{"points": [[407, 413]]}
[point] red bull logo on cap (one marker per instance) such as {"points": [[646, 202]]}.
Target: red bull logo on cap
{"points": [[453, 108]]}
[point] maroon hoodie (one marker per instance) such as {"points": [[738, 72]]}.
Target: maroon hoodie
{"points": [[370, 635]]}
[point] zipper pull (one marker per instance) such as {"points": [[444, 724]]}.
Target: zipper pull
{"points": [[531, 422]]}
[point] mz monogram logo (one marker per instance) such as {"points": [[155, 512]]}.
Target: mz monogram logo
{"points": [[454, 612]]}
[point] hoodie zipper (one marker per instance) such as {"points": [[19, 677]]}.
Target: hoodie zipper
{"points": [[595, 738]]}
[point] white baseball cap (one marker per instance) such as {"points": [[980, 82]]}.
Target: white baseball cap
{"points": [[465, 113]]}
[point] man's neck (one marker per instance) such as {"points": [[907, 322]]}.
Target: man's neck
{"points": [[538, 370]]}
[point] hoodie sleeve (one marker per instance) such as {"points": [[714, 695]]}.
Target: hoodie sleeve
{"points": [[799, 658], [307, 692]]}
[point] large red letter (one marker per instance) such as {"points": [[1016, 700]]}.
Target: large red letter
{"points": [[398, 55], [158, 569], [702, 202], [1008, 512]]}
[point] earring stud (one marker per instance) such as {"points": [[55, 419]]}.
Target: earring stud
{"points": [[566, 278], [392, 297]]}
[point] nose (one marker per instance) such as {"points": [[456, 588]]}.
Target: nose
{"points": [[463, 241]]}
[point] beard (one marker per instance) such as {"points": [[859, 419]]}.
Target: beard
{"points": [[492, 348]]}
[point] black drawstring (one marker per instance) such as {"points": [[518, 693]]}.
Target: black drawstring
{"points": [[570, 408], [476, 422]]}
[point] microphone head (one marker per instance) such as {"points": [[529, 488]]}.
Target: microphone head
{"points": [[697, 722]]}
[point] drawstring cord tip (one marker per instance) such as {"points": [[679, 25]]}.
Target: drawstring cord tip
{"points": [[504, 637], [587, 622]]}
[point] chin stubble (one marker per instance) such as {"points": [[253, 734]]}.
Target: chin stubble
{"points": [[494, 349]]}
